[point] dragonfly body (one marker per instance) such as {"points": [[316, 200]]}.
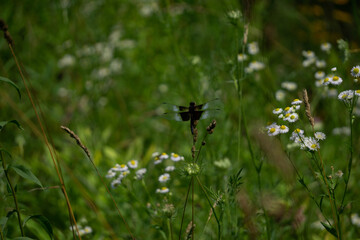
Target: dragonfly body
{"points": [[192, 113]]}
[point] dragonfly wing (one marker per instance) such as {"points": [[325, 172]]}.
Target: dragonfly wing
{"points": [[212, 104], [174, 112], [208, 113]]}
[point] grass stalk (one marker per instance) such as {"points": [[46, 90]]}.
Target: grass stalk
{"points": [[13, 193], [84, 148]]}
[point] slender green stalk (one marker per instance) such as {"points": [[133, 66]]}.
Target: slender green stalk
{"points": [[208, 199], [183, 213], [192, 210], [13, 194], [1, 234], [170, 229], [347, 178]]}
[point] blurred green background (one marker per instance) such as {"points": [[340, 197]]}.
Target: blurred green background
{"points": [[104, 68]]}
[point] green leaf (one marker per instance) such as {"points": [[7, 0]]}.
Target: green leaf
{"points": [[43, 221], [4, 123], [6, 80], [25, 173], [330, 229]]}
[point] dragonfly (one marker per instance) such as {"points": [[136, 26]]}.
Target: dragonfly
{"points": [[193, 113]]}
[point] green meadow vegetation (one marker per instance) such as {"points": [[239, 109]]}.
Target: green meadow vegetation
{"points": [[89, 143]]}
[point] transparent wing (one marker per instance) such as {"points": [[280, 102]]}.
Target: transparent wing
{"points": [[174, 112], [212, 104], [209, 113]]}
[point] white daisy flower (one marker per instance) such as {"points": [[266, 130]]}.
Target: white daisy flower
{"points": [[319, 75], [308, 54], [290, 86], [124, 174], [163, 156], [157, 160], [175, 157], [140, 173], [281, 116], [287, 110], [242, 57], [283, 129], [162, 190], [164, 177], [357, 92], [296, 107], [280, 95], [334, 69], [296, 102], [116, 183], [355, 71], [320, 136], [319, 83], [320, 63], [273, 129], [312, 144], [133, 164], [307, 62], [326, 81], [277, 111], [296, 134], [155, 154], [253, 48], [336, 80], [255, 66], [121, 167], [293, 117], [110, 174], [355, 219], [325, 47], [346, 95], [88, 230], [169, 168]]}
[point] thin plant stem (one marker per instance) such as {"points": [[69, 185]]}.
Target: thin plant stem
{"points": [[347, 178], [334, 210], [192, 209], [208, 199], [13, 193], [63, 189], [183, 213], [170, 227]]}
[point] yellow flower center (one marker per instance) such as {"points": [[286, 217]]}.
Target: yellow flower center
{"points": [[163, 154], [278, 109], [344, 96], [288, 114], [163, 188], [283, 127], [326, 79], [122, 165], [296, 100], [335, 78], [132, 162], [297, 130], [272, 130], [292, 117], [313, 146], [175, 155], [357, 91], [356, 70], [287, 108]]}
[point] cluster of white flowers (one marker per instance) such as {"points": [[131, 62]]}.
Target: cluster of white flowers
{"points": [[82, 230], [165, 177], [120, 171], [289, 114], [253, 65]]}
